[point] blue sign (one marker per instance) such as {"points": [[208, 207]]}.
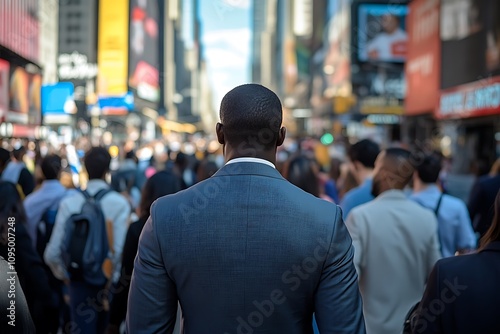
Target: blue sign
{"points": [[58, 98], [117, 102]]}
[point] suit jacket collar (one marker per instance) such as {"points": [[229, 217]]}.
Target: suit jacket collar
{"points": [[248, 168], [492, 246]]}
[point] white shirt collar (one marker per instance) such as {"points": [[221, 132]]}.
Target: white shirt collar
{"points": [[250, 159]]}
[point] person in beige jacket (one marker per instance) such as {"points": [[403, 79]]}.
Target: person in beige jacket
{"points": [[395, 245]]}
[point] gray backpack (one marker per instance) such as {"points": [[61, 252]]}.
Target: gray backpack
{"points": [[86, 247]]}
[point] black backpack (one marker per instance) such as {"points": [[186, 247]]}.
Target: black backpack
{"points": [[86, 242]]}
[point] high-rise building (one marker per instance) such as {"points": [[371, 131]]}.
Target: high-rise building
{"points": [[77, 50]]}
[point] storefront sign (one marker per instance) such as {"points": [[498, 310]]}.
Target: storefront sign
{"points": [[381, 105], [480, 98], [75, 66]]}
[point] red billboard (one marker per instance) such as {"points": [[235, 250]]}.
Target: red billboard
{"points": [[480, 98], [144, 56], [19, 27], [423, 58]]}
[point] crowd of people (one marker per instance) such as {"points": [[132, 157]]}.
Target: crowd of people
{"points": [[248, 243]]}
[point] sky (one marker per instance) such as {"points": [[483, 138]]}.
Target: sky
{"points": [[226, 38]]}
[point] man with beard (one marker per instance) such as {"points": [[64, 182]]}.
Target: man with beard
{"points": [[396, 244]]}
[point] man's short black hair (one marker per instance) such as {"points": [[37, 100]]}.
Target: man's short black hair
{"points": [[18, 153], [365, 152], [51, 167], [429, 169], [251, 113], [97, 161]]}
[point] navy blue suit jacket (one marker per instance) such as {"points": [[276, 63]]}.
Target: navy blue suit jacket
{"points": [[462, 295], [481, 201], [245, 252]]}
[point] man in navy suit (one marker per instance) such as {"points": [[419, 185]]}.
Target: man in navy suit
{"points": [[245, 251]]}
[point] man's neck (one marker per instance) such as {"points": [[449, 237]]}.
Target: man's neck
{"points": [[420, 186], [231, 153], [365, 174]]}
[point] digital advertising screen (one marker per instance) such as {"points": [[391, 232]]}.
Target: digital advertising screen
{"points": [[381, 32]]}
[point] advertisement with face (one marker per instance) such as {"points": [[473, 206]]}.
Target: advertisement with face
{"points": [[382, 32], [143, 49], [24, 97]]}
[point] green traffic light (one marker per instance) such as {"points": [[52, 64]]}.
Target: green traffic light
{"points": [[327, 139]]}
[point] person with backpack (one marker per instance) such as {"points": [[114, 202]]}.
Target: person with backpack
{"points": [[86, 244], [41, 209], [454, 226]]}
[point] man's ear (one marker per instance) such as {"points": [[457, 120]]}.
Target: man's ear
{"points": [[219, 130], [281, 137]]}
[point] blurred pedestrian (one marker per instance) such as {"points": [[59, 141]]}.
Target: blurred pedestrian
{"points": [[462, 294], [16, 172], [161, 184], [124, 179], [206, 168], [396, 245], [331, 189], [362, 157], [19, 320], [28, 264], [245, 251], [481, 199], [90, 317], [454, 226], [303, 172], [41, 209]]}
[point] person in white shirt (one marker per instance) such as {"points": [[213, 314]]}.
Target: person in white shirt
{"points": [[395, 245], [390, 44], [87, 302]]}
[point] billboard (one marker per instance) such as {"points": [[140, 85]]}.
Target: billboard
{"points": [[58, 98], [24, 97], [424, 58], [144, 53], [112, 48], [469, 25], [337, 61], [19, 27], [4, 89], [381, 32]]}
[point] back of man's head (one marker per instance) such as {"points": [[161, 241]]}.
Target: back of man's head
{"points": [[428, 170], [97, 161], [398, 162], [365, 152], [18, 153], [251, 114], [51, 167]]}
